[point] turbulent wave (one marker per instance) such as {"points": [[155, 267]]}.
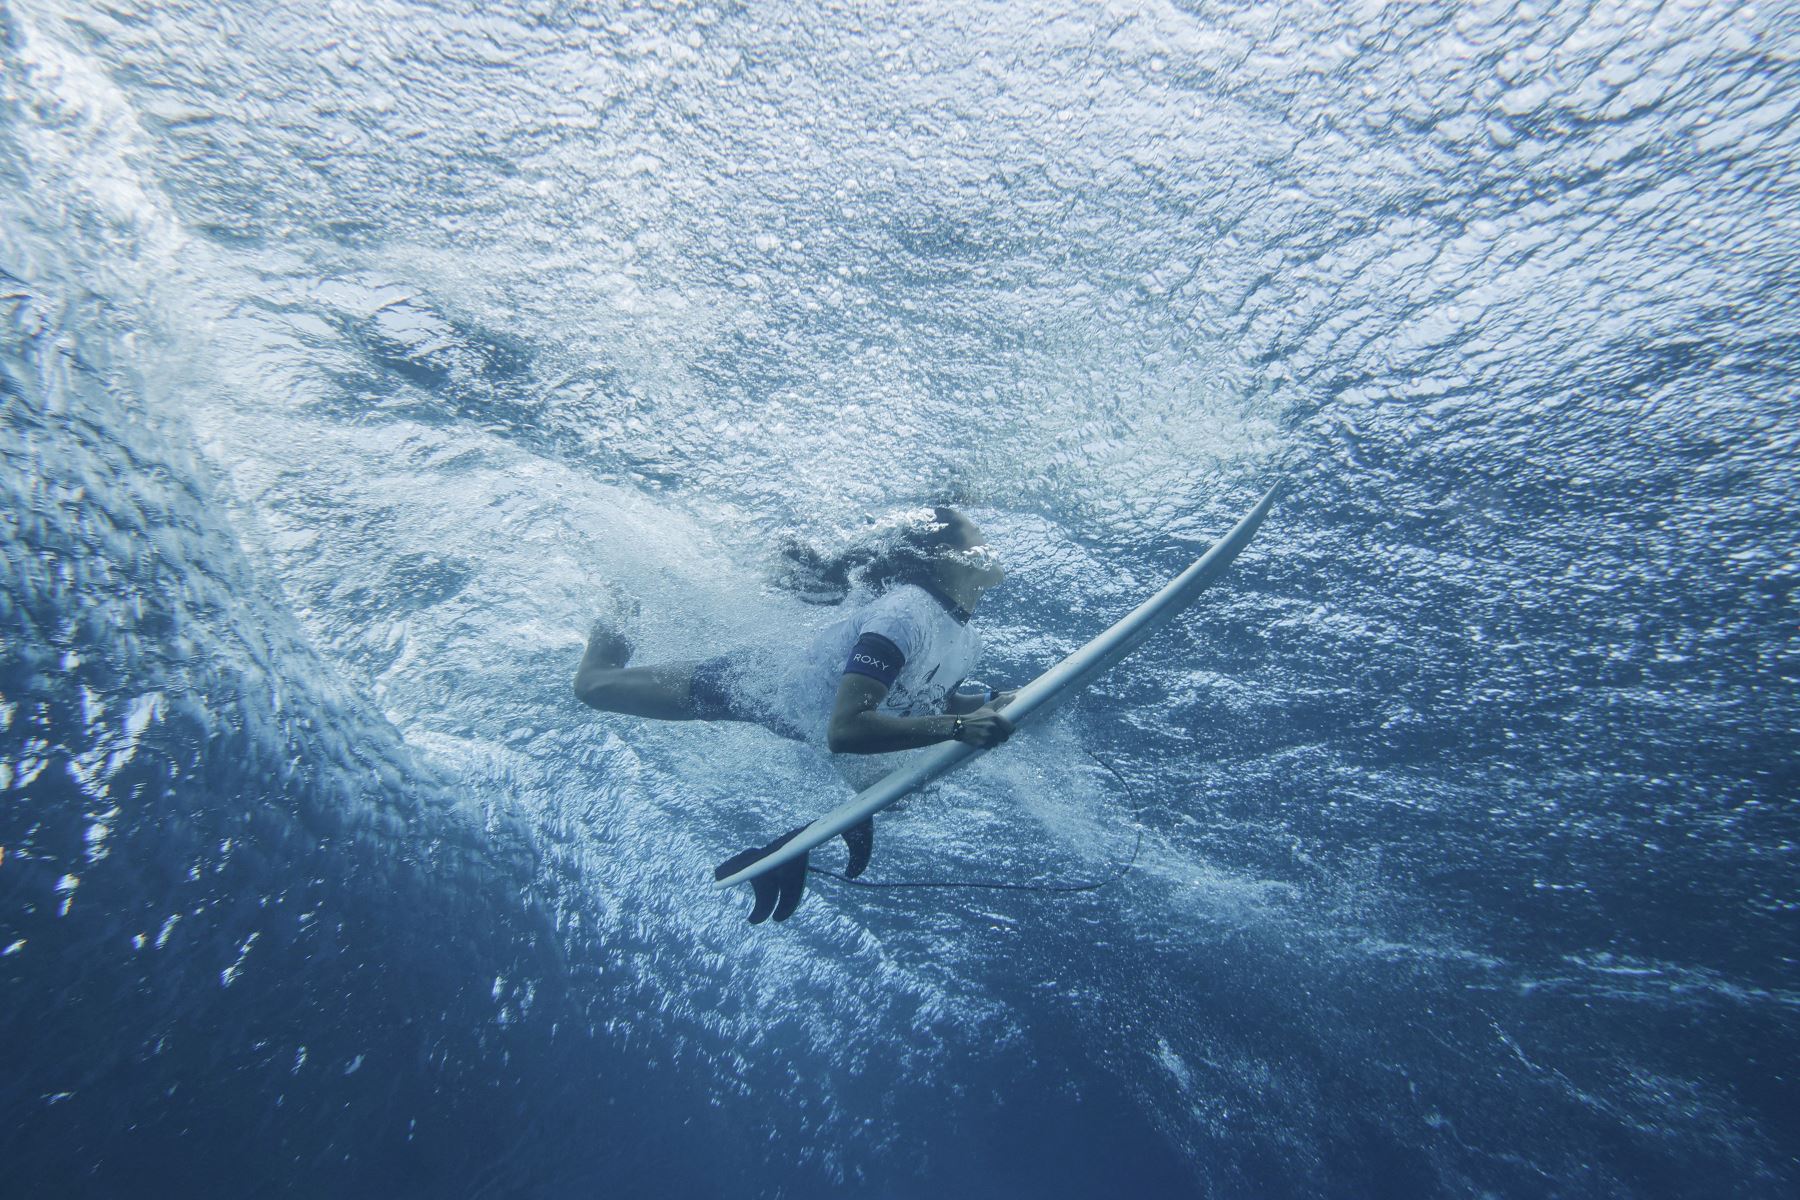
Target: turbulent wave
{"points": [[356, 357]]}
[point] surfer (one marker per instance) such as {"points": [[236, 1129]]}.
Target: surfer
{"points": [[886, 677], [881, 679]]}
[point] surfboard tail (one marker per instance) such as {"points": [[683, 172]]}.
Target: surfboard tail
{"points": [[779, 890]]}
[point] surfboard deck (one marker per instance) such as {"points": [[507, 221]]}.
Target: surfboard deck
{"points": [[1080, 667]]}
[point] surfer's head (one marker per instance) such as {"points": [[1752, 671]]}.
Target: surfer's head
{"points": [[958, 553], [940, 550], [936, 547]]}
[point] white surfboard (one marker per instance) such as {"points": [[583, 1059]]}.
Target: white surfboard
{"points": [[1079, 668]]}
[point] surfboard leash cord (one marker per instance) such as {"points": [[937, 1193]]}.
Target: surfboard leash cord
{"points": [[1002, 886]]}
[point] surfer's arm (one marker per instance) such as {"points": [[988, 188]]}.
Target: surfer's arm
{"points": [[961, 703], [858, 728]]}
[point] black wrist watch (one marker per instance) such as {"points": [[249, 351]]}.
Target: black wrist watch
{"points": [[956, 728]]}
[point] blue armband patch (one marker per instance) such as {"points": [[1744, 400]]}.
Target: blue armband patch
{"points": [[876, 657]]}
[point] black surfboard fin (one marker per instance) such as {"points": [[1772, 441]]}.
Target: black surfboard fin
{"points": [[861, 841], [778, 892]]}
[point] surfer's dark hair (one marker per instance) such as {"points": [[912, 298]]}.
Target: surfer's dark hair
{"points": [[905, 552]]}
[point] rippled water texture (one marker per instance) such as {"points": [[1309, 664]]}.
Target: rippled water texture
{"points": [[356, 355]]}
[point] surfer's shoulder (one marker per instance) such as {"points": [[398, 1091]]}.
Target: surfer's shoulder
{"points": [[902, 599]]}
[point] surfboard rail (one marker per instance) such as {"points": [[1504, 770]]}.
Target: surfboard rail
{"points": [[1079, 667]]}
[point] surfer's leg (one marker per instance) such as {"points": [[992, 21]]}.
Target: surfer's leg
{"points": [[603, 681], [688, 691], [663, 693]]}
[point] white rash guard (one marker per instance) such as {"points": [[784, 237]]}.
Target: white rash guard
{"points": [[904, 628]]}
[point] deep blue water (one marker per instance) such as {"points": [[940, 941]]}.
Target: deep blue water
{"points": [[355, 356]]}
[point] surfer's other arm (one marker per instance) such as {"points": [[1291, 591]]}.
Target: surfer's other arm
{"points": [[857, 728]]}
